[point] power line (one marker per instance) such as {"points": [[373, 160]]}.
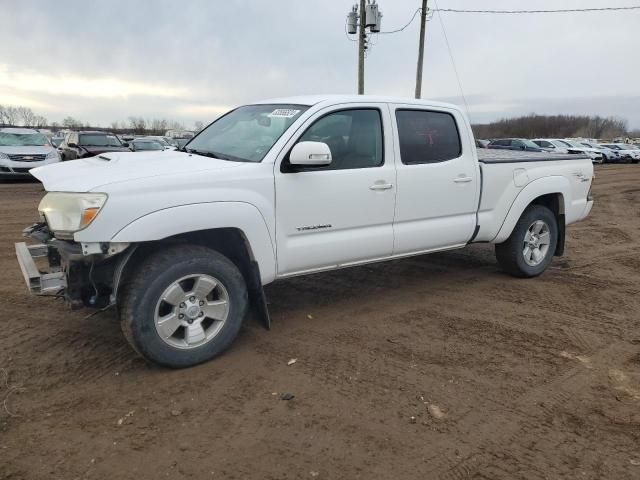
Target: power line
{"points": [[408, 23], [512, 12], [453, 63]]}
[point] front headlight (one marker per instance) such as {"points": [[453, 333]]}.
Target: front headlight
{"points": [[67, 213], [52, 154]]}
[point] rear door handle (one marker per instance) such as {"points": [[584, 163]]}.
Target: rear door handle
{"points": [[462, 179], [381, 186]]}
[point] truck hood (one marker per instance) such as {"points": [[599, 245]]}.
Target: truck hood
{"points": [[92, 173]]}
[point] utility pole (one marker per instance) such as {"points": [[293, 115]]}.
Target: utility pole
{"points": [[363, 15], [423, 21], [362, 36]]}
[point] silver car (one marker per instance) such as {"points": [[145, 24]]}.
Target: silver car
{"points": [[22, 149]]}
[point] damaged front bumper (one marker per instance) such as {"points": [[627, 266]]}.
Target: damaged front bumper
{"points": [[53, 283], [84, 274]]}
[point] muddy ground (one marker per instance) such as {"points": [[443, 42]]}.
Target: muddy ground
{"points": [[433, 367]]}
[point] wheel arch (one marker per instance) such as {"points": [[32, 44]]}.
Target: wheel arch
{"points": [[551, 192], [230, 242], [236, 229]]}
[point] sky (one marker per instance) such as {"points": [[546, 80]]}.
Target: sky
{"points": [[191, 60]]}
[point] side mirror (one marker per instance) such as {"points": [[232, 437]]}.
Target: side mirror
{"points": [[72, 145], [523, 147], [310, 154], [125, 144]]}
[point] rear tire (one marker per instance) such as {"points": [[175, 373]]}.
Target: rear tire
{"points": [[183, 306], [530, 248]]}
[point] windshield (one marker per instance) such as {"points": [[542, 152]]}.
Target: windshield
{"points": [[529, 143], [247, 133], [147, 145], [626, 147], [23, 139], [97, 140]]}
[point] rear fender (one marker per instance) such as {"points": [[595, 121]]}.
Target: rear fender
{"points": [[542, 186]]}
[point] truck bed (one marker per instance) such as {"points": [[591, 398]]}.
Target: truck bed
{"points": [[489, 155]]}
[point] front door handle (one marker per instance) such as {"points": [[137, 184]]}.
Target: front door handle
{"points": [[381, 186], [462, 179]]}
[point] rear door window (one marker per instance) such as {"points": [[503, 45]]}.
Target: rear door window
{"points": [[427, 136]]}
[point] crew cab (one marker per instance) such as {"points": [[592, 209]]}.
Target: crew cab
{"points": [[182, 242]]}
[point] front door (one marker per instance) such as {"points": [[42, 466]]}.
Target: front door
{"points": [[342, 213]]}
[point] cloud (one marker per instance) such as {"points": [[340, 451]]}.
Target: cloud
{"points": [[96, 87], [189, 60]]}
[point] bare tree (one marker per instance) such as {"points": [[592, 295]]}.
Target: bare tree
{"points": [[11, 115], [70, 122], [553, 126], [198, 125], [26, 116], [39, 121], [175, 125], [137, 124], [158, 126]]}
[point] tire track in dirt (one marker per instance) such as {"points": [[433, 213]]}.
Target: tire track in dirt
{"points": [[536, 407]]}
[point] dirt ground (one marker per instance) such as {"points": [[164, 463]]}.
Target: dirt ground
{"points": [[433, 367]]}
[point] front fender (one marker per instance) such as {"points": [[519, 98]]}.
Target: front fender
{"points": [[533, 190], [205, 216]]}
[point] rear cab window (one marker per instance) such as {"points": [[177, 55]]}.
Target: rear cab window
{"points": [[427, 136]]}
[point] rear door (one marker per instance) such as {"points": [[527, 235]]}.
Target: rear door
{"points": [[438, 179], [342, 213]]}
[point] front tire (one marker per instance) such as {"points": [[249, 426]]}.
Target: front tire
{"points": [[530, 248], [183, 306]]}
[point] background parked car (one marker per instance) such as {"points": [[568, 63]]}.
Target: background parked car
{"points": [[89, 144], [567, 146], [514, 144], [163, 141], [22, 149], [608, 154], [57, 141], [181, 141], [145, 144], [594, 154], [627, 152], [482, 143]]}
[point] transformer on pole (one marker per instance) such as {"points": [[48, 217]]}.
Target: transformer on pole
{"points": [[363, 16]]}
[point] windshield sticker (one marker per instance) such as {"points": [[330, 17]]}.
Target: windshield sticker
{"points": [[283, 113]]}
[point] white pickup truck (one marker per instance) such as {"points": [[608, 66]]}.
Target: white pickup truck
{"points": [[182, 242]]}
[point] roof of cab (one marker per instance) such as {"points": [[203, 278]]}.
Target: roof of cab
{"points": [[338, 99]]}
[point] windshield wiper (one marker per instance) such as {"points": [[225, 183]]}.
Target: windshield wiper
{"points": [[201, 152], [210, 154]]}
